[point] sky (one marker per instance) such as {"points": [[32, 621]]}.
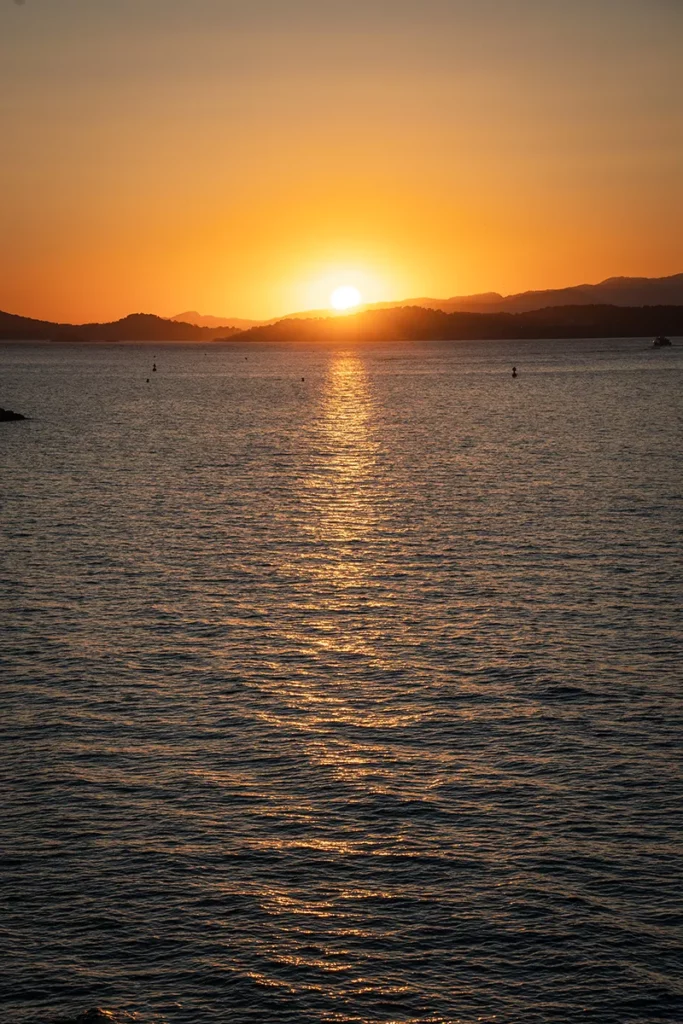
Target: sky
{"points": [[246, 157]]}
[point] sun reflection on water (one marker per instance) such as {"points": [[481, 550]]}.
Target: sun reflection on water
{"points": [[341, 487], [340, 575], [343, 508]]}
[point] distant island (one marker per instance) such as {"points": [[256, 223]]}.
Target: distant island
{"points": [[136, 327], [614, 291], [405, 323], [414, 323], [659, 311]]}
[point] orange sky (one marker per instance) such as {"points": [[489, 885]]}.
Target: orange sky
{"points": [[243, 157]]}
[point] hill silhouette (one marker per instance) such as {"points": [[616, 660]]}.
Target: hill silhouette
{"points": [[614, 291], [414, 323], [191, 316], [405, 323], [134, 327]]}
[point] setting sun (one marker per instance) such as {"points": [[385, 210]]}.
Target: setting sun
{"points": [[345, 297]]}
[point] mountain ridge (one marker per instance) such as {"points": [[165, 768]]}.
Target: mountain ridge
{"points": [[133, 327], [404, 323], [415, 323], [617, 291], [413, 320]]}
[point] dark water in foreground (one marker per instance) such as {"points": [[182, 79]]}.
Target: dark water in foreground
{"points": [[346, 699]]}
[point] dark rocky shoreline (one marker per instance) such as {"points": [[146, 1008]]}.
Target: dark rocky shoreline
{"points": [[95, 1015]]}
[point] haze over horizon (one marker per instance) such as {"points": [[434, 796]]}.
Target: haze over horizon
{"points": [[247, 158]]}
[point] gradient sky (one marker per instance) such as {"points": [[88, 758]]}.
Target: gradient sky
{"points": [[243, 157]]}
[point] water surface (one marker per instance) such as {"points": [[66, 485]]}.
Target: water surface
{"points": [[342, 685]]}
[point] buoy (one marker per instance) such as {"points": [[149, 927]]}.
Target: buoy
{"points": [[514, 371]]}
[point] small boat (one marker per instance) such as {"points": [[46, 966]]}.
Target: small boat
{"points": [[661, 342]]}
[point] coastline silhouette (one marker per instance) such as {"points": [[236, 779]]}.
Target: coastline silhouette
{"points": [[401, 323]]}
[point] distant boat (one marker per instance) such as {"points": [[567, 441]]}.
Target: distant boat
{"points": [[661, 342]]}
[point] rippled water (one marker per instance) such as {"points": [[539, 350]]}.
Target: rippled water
{"points": [[342, 685]]}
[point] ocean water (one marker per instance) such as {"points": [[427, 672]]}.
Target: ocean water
{"points": [[342, 685]]}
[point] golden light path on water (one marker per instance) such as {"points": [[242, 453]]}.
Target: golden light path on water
{"points": [[344, 513]]}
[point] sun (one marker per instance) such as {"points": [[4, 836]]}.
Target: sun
{"points": [[345, 297]]}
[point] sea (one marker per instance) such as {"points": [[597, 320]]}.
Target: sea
{"points": [[342, 685]]}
